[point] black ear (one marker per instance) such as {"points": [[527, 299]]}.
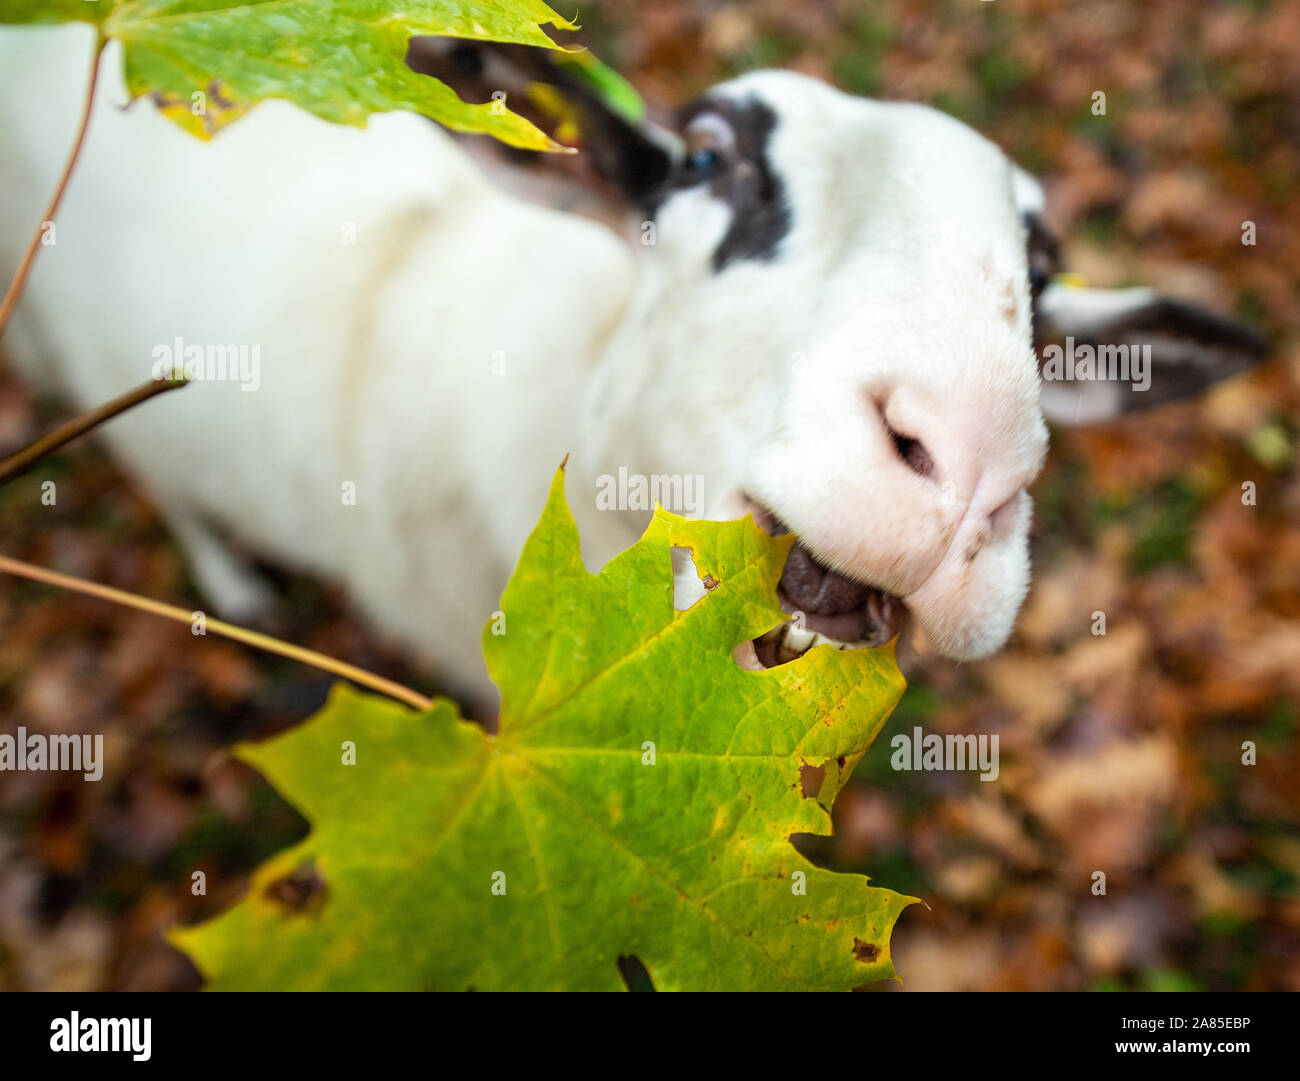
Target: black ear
{"points": [[634, 157], [1105, 352]]}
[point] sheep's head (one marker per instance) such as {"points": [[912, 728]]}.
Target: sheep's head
{"points": [[835, 331], [835, 328]]}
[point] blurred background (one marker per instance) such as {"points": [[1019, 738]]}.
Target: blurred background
{"points": [[1120, 753]]}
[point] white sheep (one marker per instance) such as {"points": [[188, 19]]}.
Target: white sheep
{"points": [[824, 316]]}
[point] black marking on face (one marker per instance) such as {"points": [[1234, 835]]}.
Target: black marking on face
{"points": [[1043, 253], [741, 175]]}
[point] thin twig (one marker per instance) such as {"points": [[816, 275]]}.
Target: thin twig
{"points": [[227, 630], [22, 460], [15, 289]]}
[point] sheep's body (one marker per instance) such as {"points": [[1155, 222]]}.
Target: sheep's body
{"points": [[444, 493]]}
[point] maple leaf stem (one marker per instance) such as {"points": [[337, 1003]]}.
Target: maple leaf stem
{"points": [[15, 289], [228, 630], [22, 460]]}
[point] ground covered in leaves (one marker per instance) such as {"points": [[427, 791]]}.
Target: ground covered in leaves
{"points": [[1120, 752]]}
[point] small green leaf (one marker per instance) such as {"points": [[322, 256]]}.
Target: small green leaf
{"points": [[638, 799], [341, 60], [614, 90]]}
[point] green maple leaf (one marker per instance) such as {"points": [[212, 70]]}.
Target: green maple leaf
{"points": [[339, 59], [638, 799]]}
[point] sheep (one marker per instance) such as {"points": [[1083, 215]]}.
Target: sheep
{"points": [[824, 313]]}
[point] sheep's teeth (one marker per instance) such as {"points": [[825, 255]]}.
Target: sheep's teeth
{"points": [[795, 642], [798, 642], [789, 641]]}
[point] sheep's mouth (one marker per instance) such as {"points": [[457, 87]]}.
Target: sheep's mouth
{"points": [[828, 608]]}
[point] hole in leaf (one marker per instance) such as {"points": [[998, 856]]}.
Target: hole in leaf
{"points": [[688, 588], [634, 974], [822, 783], [811, 779], [747, 659]]}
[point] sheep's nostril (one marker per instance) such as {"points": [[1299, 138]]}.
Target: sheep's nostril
{"points": [[913, 453]]}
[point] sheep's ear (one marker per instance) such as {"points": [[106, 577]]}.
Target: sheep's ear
{"points": [[570, 96], [1106, 352]]}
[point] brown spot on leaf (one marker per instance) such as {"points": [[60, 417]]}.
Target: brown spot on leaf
{"points": [[302, 890], [216, 97], [710, 582], [865, 951]]}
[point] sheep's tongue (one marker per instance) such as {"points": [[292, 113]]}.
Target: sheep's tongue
{"points": [[832, 606], [817, 589], [812, 588]]}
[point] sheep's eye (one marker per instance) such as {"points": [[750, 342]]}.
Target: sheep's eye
{"points": [[704, 160], [710, 144]]}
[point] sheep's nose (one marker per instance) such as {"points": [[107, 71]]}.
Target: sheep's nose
{"points": [[947, 447]]}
